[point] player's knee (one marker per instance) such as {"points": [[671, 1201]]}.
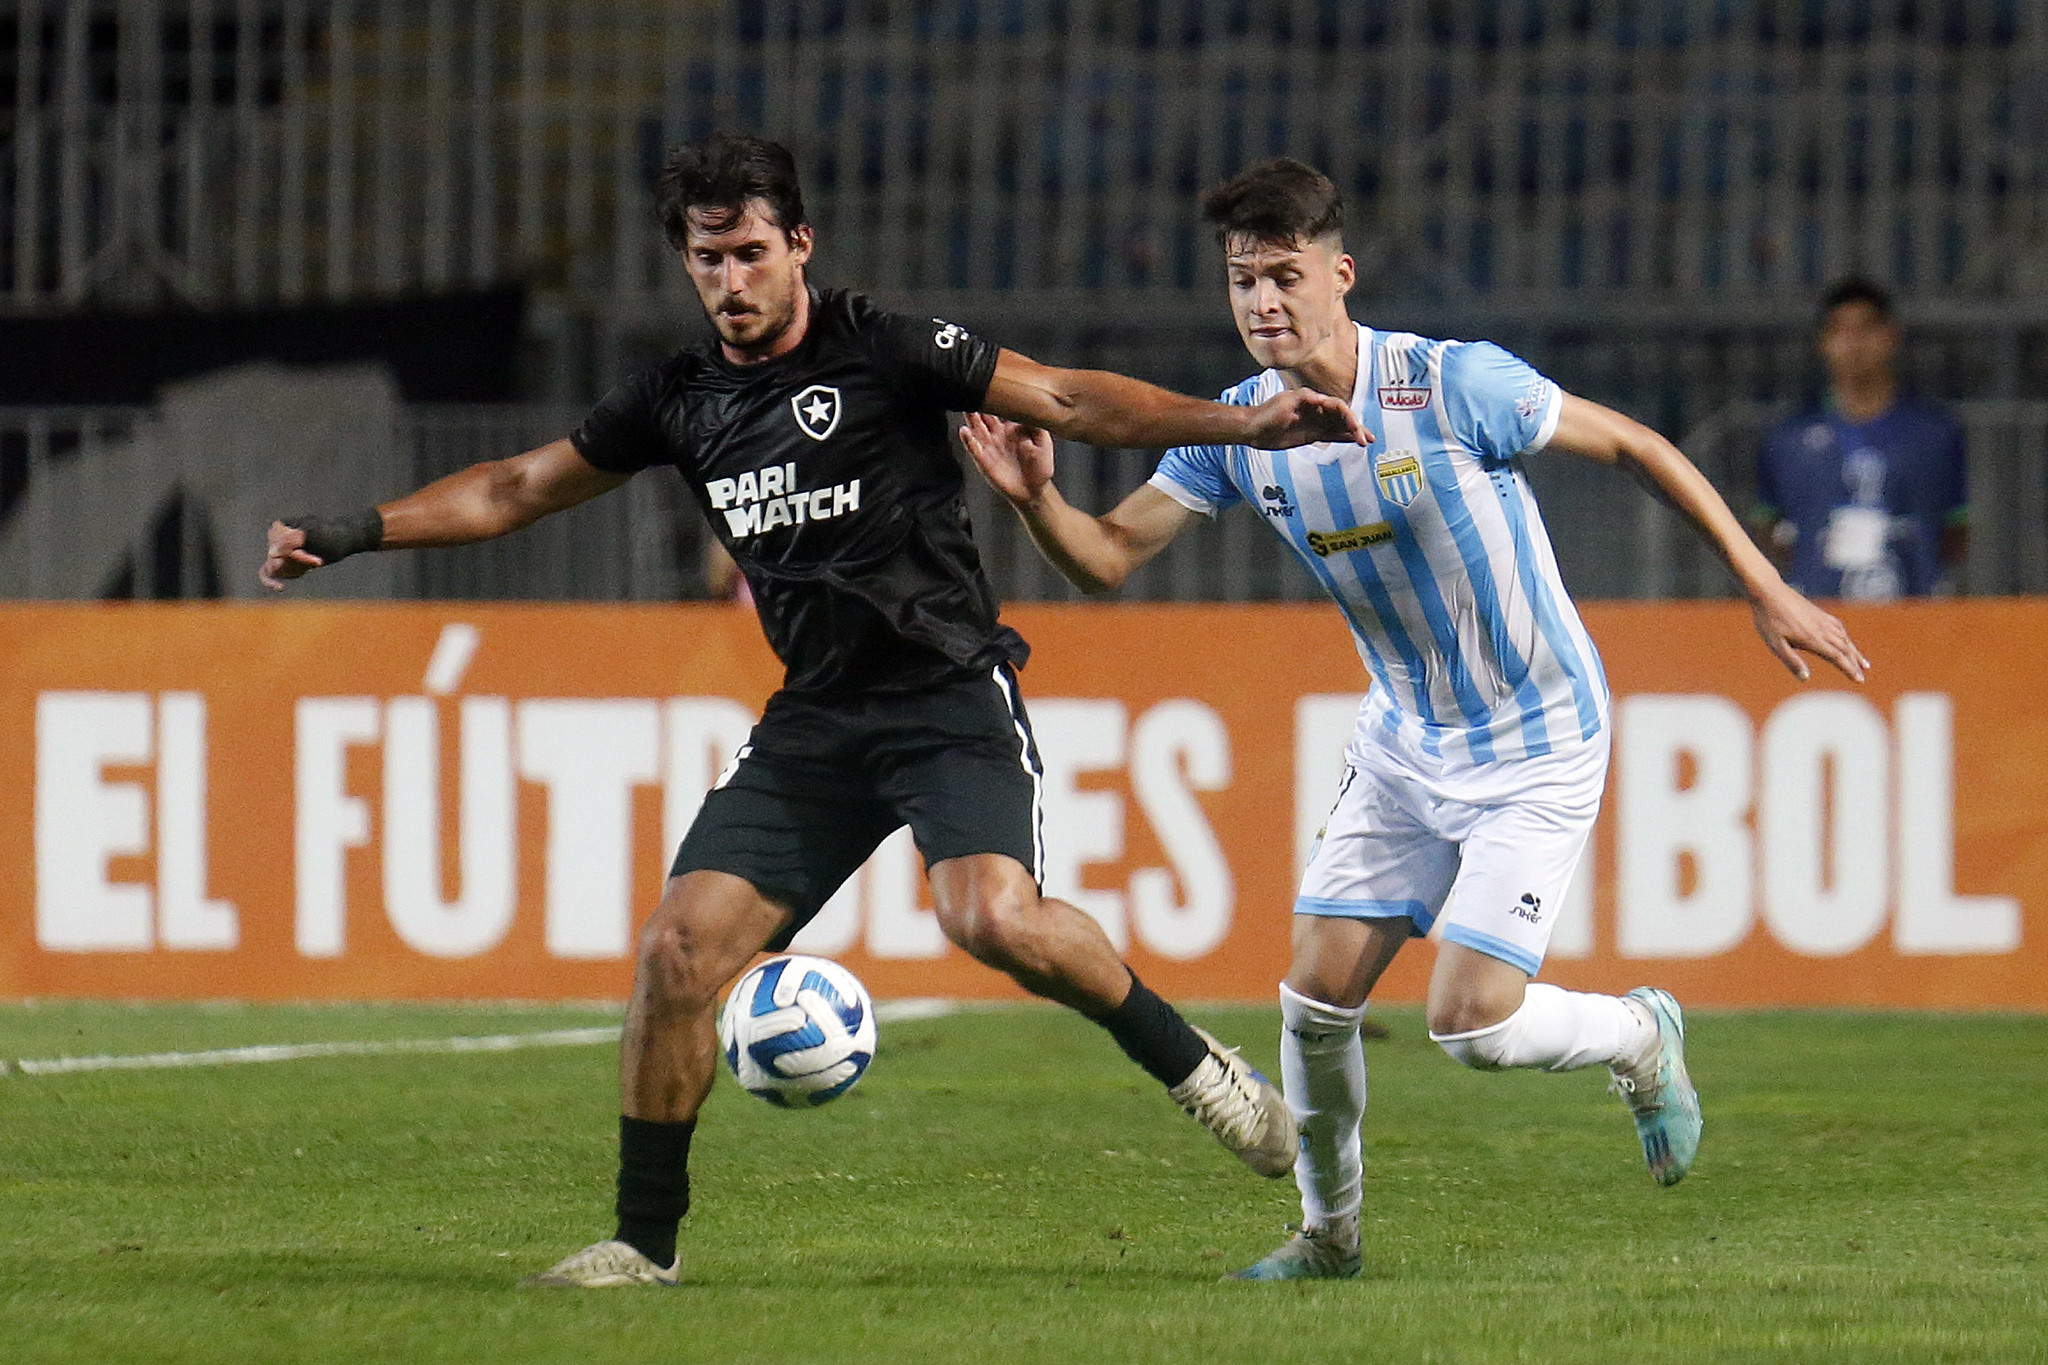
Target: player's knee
{"points": [[1464, 1014], [1324, 987], [672, 973], [995, 924], [1473, 1032]]}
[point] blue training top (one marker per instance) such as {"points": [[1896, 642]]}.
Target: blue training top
{"points": [[1868, 500]]}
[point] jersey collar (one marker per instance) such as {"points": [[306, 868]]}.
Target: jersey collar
{"points": [[1328, 452]]}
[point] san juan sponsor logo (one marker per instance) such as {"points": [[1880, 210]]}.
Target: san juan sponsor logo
{"points": [[1400, 476], [1327, 543]]}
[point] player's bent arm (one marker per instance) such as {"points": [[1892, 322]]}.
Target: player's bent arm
{"points": [[1786, 620], [485, 500], [1104, 409], [1602, 434], [1096, 554], [494, 498]]}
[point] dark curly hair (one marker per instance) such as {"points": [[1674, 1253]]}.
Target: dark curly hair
{"points": [[717, 176]]}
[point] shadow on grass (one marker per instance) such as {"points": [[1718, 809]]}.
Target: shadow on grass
{"points": [[979, 1273], [175, 1271]]}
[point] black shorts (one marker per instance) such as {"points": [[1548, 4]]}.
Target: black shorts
{"points": [[823, 780]]}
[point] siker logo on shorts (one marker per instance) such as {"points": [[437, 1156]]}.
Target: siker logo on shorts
{"points": [[1530, 907], [763, 499]]}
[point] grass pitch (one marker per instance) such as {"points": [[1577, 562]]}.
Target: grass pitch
{"points": [[1005, 1187]]}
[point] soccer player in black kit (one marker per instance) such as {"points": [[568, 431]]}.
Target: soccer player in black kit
{"points": [[814, 433]]}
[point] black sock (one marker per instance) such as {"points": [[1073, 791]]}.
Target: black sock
{"points": [[654, 1185], [1152, 1034]]}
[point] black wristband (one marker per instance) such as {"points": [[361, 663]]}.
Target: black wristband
{"points": [[334, 539]]}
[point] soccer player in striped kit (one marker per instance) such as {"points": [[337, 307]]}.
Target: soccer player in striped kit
{"points": [[1475, 773]]}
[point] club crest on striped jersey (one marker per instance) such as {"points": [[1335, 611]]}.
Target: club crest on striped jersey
{"points": [[1400, 476]]}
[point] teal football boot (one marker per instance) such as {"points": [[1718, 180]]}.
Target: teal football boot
{"points": [[1310, 1254], [1660, 1094]]}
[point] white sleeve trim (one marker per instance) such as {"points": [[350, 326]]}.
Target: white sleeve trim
{"points": [[1182, 494], [1550, 416]]}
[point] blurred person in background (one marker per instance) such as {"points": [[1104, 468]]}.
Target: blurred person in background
{"points": [[1865, 497]]}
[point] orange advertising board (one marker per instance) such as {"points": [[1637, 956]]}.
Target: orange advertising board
{"points": [[305, 801]]}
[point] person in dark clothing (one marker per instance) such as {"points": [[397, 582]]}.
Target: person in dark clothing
{"points": [[814, 433]]}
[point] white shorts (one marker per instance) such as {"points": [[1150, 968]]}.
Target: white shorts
{"points": [[1487, 848]]}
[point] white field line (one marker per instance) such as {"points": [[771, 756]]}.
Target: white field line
{"points": [[888, 1011]]}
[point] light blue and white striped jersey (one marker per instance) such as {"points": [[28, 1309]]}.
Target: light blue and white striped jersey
{"points": [[1431, 544]]}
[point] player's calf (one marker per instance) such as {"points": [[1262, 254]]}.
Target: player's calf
{"points": [[1555, 1029], [990, 906], [1640, 1038], [701, 935]]}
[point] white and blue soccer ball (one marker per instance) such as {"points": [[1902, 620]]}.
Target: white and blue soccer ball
{"points": [[798, 1031]]}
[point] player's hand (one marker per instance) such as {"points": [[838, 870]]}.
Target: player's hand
{"points": [[1790, 624], [1015, 459], [287, 558], [1300, 417]]}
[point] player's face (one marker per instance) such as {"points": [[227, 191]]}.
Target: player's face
{"points": [[749, 275], [1857, 342], [1288, 299]]}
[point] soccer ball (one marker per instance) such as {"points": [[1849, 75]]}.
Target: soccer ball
{"points": [[798, 1031]]}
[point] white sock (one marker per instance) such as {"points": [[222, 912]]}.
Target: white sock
{"points": [[1322, 1070], [1559, 1030]]}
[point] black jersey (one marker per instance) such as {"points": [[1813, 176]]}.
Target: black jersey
{"points": [[829, 474]]}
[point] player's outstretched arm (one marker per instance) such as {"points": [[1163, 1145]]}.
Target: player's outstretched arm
{"points": [[1095, 554], [477, 503], [1105, 409], [1787, 621]]}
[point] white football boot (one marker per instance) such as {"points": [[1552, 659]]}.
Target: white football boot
{"points": [[1242, 1108], [604, 1265]]}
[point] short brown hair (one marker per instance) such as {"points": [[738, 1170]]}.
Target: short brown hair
{"points": [[1282, 201], [717, 176]]}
